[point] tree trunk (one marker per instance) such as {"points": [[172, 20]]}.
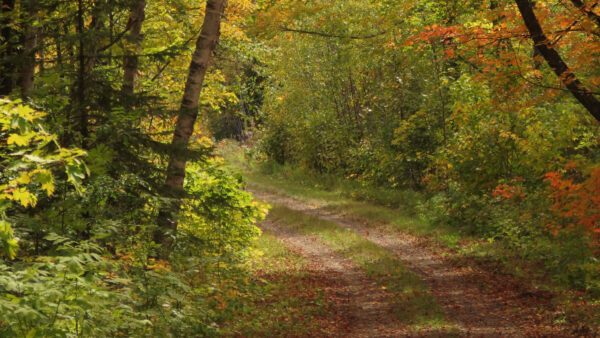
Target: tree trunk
{"points": [[537, 63], [8, 51], [80, 93], [188, 112], [88, 51], [560, 68], [130, 61], [29, 49]]}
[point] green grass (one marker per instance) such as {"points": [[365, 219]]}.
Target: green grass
{"points": [[414, 305]]}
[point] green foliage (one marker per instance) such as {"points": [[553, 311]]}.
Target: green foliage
{"points": [[86, 263], [61, 293], [29, 155], [8, 243], [218, 215], [110, 284], [436, 102]]}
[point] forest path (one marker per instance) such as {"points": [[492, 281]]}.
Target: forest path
{"points": [[359, 300], [477, 309]]}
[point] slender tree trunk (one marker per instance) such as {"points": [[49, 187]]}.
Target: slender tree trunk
{"points": [[130, 61], [438, 70], [59, 51], [80, 93], [188, 112], [88, 48], [560, 68], [96, 26], [111, 29], [29, 49], [8, 50]]}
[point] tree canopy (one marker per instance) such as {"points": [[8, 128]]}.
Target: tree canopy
{"points": [[116, 209]]}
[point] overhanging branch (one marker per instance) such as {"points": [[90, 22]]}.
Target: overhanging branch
{"points": [[329, 35]]}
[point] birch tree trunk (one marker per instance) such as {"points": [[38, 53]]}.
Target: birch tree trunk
{"points": [[188, 112]]}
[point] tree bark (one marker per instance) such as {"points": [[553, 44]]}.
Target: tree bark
{"points": [[8, 50], [88, 50], [80, 93], [130, 61], [29, 49], [554, 60], [188, 112]]}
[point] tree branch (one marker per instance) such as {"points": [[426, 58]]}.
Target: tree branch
{"points": [[587, 11], [554, 60], [328, 35]]}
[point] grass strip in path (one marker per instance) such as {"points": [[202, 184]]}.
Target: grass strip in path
{"points": [[412, 304]]}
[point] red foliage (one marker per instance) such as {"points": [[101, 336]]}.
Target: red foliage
{"points": [[577, 204], [508, 191]]}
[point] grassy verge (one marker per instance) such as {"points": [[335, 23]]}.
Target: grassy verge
{"points": [[414, 306], [283, 297]]}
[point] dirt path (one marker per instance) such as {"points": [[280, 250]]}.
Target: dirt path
{"points": [[497, 311], [362, 301]]}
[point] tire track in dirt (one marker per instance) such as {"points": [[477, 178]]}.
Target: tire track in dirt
{"points": [[365, 305], [491, 313]]}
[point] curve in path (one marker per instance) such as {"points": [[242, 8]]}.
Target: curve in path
{"points": [[474, 311]]}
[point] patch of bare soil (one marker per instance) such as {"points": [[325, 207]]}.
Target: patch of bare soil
{"points": [[479, 303]]}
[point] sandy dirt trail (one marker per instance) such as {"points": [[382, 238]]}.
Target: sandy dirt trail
{"points": [[499, 312], [365, 305]]}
